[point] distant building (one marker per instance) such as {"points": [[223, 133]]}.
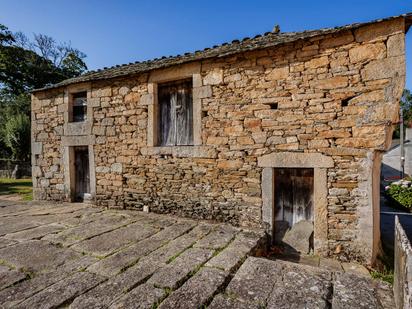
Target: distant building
{"points": [[262, 132]]}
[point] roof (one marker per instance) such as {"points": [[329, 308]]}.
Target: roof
{"points": [[268, 39]]}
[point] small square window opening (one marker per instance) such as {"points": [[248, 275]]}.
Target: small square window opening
{"points": [[79, 107]]}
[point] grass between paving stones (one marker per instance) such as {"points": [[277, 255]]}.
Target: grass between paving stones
{"points": [[170, 260], [385, 268], [10, 266], [167, 291], [22, 187]]}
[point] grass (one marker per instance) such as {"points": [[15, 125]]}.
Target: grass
{"points": [[385, 270], [384, 275], [22, 187]]}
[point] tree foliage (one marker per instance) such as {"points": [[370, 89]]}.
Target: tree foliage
{"points": [[406, 104], [62, 55], [27, 64], [17, 136]]}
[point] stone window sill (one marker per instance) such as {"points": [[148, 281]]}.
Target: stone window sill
{"points": [[180, 151]]}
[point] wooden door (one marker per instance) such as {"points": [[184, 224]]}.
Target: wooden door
{"points": [[293, 194], [81, 170]]}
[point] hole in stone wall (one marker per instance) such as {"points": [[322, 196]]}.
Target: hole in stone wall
{"points": [[273, 105], [345, 102], [205, 114]]}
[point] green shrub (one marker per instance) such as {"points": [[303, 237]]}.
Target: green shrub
{"points": [[16, 136], [403, 195]]}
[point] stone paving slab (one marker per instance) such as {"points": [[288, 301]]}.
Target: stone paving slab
{"points": [[143, 296], [113, 289], [6, 242], [171, 275], [36, 256], [18, 293], [37, 232], [15, 224], [305, 287], [255, 280], [9, 277], [62, 292], [282, 284], [235, 253], [108, 292], [119, 261], [218, 238], [197, 291], [55, 255], [107, 243], [351, 291], [226, 302], [82, 232]]}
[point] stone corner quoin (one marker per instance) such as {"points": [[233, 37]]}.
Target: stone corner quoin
{"points": [[333, 97]]}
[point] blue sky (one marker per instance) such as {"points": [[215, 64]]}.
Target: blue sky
{"points": [[117, 32]]}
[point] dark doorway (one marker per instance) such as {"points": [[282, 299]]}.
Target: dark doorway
{"points": [[81, 173], [293, 198]]}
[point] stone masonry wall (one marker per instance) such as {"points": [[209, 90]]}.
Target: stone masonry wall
{"points": [[335, 94]]}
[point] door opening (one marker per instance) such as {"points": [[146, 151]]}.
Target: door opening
{"points": [[294, 208], [81, 173]]}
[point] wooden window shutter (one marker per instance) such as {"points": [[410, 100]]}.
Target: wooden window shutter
{"points": [[175, 114]]}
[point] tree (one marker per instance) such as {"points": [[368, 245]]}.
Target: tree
{"points": [[27, 64], [16, 136], [11, 105], [406, 104], [23, 70], [5, 35], [62, 55]]}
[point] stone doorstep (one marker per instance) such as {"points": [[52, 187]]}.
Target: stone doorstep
{"points": [[326, 263], [356, 269]]}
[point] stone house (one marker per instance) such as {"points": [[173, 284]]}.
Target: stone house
{"points": [[260, 132]]}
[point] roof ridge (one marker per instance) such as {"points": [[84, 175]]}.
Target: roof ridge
{"points": [[259, 41]]}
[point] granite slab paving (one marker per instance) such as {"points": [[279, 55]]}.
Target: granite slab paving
{"points": [[61, 255]]}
